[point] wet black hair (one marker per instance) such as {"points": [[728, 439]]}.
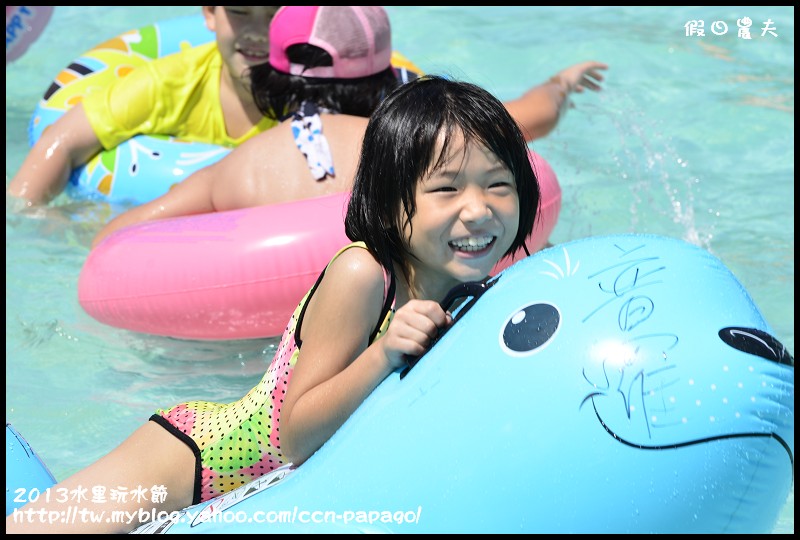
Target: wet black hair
{"points": [[278, 94], [399, 149]]}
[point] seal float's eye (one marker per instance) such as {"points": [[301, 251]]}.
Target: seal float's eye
{"points": [[529, 329]]}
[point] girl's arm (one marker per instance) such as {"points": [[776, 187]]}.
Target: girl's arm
{"points": [[230, 183], [336, 369], [191, 196], [250, 175], [538, 110]]}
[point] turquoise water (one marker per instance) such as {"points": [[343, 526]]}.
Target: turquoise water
{"points": [[691, 138]]}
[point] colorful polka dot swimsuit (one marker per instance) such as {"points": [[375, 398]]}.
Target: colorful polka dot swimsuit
{"points": [[238, 442]]}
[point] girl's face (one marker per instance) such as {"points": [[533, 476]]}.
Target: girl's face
{"points": [[467, 217], [242, 34]]}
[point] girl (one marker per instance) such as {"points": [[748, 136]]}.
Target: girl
{"points": [[442, 175]]}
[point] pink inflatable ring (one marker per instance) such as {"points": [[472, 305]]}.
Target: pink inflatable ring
{"points": [[237, 274]]}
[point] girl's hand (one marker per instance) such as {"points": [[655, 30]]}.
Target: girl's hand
{"points": [[413, 328], [577, 78]]}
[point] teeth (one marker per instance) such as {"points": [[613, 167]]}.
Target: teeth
{"points": [[254, 54], [473, 243]]}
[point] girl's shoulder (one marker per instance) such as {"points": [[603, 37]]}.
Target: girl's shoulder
{"points": [[354, 266], [356, 284], [355, 261]]}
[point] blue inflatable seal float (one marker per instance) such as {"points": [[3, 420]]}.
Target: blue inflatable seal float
{"points": [[27, 477], [617, 384]]}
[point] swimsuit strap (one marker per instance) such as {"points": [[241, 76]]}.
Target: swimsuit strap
{"points": [[388, 309]]}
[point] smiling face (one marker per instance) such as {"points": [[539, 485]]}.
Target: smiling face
{"points": [[466, 218], [242, 34]]}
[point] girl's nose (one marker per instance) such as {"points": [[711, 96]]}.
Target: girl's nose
{"points": [[475, 208]]}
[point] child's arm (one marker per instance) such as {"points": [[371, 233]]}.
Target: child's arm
{"points": [[231, 182], [538, 110], [191, 196], [68, 143], [336, 369]]}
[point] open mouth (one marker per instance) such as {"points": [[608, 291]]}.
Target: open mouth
{"points": [[254, 55]]}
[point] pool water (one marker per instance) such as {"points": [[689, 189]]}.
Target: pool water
{"points": [[691, 137]]}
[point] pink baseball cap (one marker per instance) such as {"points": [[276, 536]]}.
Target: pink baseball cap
{"points": [[358, 38]]}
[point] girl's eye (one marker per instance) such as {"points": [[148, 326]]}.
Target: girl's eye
{"points": [[504, 184]]}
